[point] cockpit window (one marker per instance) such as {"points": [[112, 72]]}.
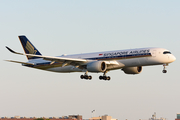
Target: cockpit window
{"points": [[166, 52]]}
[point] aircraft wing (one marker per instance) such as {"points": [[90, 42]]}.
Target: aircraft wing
{"points": [[54, 59]]}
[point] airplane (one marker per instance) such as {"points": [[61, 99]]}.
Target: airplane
{"points": [[130, 61]]}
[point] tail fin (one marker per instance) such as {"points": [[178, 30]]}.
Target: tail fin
{"points": [[28, 47]]}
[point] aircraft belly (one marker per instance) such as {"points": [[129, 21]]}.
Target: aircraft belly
{"points": [[156, 61], [141, 61], [130, 62], [115, 66]]}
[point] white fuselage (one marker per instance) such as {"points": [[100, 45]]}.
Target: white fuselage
{"points": [[114, 59]]}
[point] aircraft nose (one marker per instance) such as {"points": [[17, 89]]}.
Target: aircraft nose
{"points": [[173, 58]]}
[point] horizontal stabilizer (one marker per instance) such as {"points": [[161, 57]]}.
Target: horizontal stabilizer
{"points": [[13, 51], [20, 62]]}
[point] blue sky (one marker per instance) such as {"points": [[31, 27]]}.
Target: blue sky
{"points": [[69, 27]]}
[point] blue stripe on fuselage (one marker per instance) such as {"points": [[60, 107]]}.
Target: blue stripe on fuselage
{"points": [[121, 56]]}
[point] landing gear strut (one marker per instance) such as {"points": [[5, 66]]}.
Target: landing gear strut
{"points": [[164, 69], [85, 76], [104, 77]]}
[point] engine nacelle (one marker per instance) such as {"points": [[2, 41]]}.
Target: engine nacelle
{"points": [[97, 66], [132, 70]]}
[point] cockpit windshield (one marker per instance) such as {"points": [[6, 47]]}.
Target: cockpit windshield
{"points": [[166, 52]]}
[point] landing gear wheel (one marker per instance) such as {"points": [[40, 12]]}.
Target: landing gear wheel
{"points": [[108, 78], [104, 78], [86, 77], [100, 77], [164, 71], [82, 76], [89, 77]]}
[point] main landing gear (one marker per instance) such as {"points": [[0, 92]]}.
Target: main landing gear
{"points": [[85, 76], [164, 69], [104, 77]]}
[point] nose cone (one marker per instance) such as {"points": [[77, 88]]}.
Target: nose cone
{"points": [[172, 58]]}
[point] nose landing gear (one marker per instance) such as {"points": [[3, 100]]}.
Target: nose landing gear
{"points": [[164, 69]]}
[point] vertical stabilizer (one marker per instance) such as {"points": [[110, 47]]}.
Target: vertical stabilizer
{"points": [[28, 47]]}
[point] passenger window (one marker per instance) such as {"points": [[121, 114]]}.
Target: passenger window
{"points": [[166, 52]]}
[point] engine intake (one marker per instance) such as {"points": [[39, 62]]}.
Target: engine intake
{"points": [[97, 66], [132, 70]]}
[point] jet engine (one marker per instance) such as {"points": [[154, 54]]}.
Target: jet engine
{"points": [[97, 66], [132, 70]]}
